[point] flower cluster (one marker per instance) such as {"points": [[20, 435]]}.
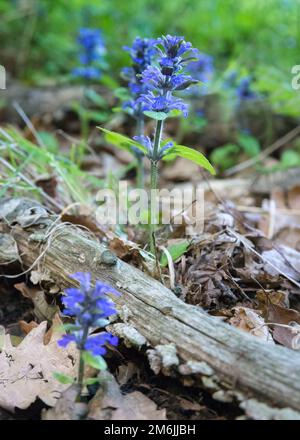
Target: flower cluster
{"points": [[174, 54], [91, 307], [142, 53], [92, 49]]}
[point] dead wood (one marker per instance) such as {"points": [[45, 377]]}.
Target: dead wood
{"points": [[195, 343]]}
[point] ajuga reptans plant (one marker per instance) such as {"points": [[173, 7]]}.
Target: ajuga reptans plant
{"points": [[142, 53], [90, 307], [163, 79]]}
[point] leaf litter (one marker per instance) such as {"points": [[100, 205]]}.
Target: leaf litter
{"points": [[243, 268]]}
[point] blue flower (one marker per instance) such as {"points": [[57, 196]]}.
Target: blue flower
{"points": [[244, 91], [161, 103], [167, 76], [92, 50], [90, 306], [86, 72], [142, 52], [66, 340], [154, 79], [175, 52], [95, 343]]}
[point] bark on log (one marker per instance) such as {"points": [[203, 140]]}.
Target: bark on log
{"points": [[239, 361]]}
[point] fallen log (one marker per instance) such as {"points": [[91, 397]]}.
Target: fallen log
{"points": [[224, 357]]}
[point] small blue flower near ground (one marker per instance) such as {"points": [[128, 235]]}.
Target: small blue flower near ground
{"points": [[244, 91], [92, 50], [90, 307]]}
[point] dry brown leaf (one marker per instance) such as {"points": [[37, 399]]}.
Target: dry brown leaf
{"points": [[42, 310], [125, 249], [48, 183], [281, 315], [274, 306], [110, 404], [288, 336], [249, 320], [293, 197], [26, 327], [267, 298], [85, 221], [26, 371], [126, 372]]}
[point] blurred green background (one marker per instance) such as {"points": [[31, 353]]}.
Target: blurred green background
{"points": [[249, 40], [38, 36]]}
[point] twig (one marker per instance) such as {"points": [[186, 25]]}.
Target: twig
{"points": [[265, 153], [259, 210], [170, 265], [29, 124]]}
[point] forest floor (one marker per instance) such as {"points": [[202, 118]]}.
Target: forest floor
{"points": [[243, 268]]}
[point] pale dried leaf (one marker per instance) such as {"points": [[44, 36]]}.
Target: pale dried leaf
{"points": [[26, 371], [248, 320]]}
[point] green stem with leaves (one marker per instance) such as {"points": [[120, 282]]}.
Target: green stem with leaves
{"points": [[140, 162], [81, 363], [154, 173]]}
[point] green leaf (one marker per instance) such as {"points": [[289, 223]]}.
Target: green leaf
{"points": [[161, 116], [290, 158], [49, 140], [68, 327], [176, 250], [122, 93], [174, 113], [63, 378], [97, 116], [193, 155], [94, 361], [121, 141], [158, 116], [249, 144], [96, 98], [226, 156], [91, 380]]}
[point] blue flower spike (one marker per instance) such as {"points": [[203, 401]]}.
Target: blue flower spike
{"points": [[90, 306]]}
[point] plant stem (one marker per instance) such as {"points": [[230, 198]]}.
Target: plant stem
{"points": [[139, 156], [154, 160], [81, 363]]}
